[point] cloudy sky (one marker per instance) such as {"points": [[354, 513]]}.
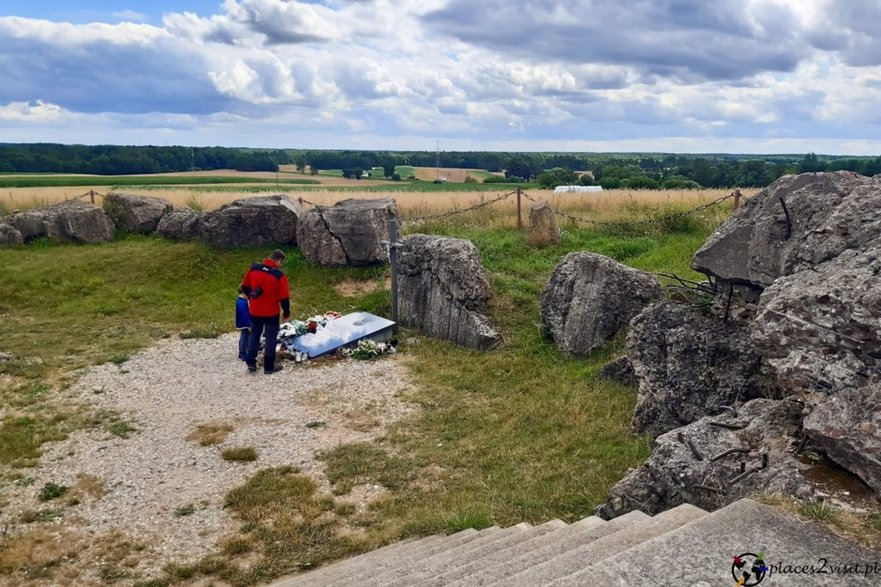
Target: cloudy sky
{"points": [[737, 76]]}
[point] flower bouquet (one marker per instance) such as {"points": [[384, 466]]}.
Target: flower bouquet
{"points": [[368, 349]]}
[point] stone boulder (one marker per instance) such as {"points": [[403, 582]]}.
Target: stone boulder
{"points": [[589, 298], [821, 328], [134, 213], [347, 234], [71, 220], [701, 463], [250, 222], [690, 365], [797, 222], [847, 427], [181, 224], [542, 229], [619, 370], [10, 236], [443, 290]]}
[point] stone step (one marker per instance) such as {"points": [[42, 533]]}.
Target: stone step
{"points": [[397, 558], [393, 575], [701, 553], [547, 547], [576, 559], [467, 568], [446, 571], [324, 575]]}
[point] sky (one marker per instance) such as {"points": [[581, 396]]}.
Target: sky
{"points": [[676, 76]]}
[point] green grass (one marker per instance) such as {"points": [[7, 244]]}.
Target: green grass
{"points": [[51, 491], [33, 181], [405, 171], [106, 302], [520, 433], [184, 510], [120, 428]]}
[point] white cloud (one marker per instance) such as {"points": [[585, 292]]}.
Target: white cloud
{"points": [[490, 73], [130, 15], [37, 112]]}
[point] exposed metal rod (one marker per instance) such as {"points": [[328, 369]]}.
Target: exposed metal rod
{"points": [[728, 426], [730, 451], [744, 475], [690, 445]]}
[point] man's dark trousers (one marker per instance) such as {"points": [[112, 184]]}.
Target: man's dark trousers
{"points": [[269, 327]]}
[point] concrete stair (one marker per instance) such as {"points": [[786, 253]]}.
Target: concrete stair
{"points": [[682, 546]]}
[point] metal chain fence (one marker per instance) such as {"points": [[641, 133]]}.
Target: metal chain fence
{"points": [[91, 194], [637, 223], [418, 219]]}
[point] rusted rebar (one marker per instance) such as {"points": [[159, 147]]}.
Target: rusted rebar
{"points": [[730, 451], [728, 426], [744, 475], [690, 445]]}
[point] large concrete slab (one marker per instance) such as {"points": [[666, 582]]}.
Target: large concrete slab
{"points": [[576, 559], [701, 553]]}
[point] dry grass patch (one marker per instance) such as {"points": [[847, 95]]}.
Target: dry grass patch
{"points": [[86, 486], [350, 288], [210, 433], [242, 453], [361, 420], [287, 527], [604, 204], [860, 525], [32, 555]]}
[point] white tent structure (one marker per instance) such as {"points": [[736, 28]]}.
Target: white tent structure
{"points": [[560, 189]]}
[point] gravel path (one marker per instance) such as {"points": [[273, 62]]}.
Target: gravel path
{"points": [[164, 393]]}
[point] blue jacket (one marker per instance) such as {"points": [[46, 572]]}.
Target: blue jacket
{"points": [[243, 317]]}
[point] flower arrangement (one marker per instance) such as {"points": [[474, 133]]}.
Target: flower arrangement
{"points": [[312, 324], [368, 349]]}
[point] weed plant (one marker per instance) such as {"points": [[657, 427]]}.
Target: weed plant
{"points": [[239, 453]]}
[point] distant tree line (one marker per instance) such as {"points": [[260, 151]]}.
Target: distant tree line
{"points": [[121, 160], [611, 170]]}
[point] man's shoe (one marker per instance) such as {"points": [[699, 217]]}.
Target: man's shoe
{"points": [[275, 369], [252, 367]]}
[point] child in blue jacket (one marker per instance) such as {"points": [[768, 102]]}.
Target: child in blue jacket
{"points": [[243, 323]]}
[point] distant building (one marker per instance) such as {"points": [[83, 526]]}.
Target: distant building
{"points": [[577, 188]]}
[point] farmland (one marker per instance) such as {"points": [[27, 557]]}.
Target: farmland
{"points": [[210, 190]]}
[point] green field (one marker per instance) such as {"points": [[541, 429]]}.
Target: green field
{"points": [[20, 181]]}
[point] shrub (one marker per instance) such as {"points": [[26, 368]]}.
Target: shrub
{"points": [[51, 491], [247, 453]]}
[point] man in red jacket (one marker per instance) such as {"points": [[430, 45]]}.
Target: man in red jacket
{"points": [[267, 290]]}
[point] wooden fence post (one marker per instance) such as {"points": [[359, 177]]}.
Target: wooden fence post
{"points": [[737, 195], [519, 217]]}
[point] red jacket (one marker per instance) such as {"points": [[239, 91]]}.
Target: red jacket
{"points": [[267, 289]]}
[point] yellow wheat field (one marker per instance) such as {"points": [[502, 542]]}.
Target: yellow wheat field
{"points": [[606, 205]]}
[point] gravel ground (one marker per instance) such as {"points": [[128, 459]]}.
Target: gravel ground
{"points": [[164, 393]]}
